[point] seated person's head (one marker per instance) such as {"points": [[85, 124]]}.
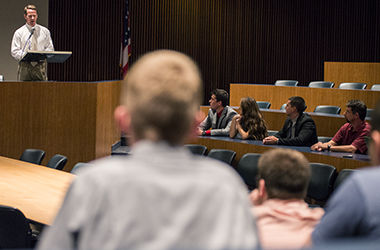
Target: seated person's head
{"points": [[374, 146], [357, 107], [298, 103], [283, 174], [221, 96], [249, 107], [160, 98]]}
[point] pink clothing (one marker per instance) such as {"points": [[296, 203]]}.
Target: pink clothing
{"points": [[286, 223], [347, 136]]}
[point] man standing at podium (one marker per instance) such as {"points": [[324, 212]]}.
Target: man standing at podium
{"points": [[31, 37]]}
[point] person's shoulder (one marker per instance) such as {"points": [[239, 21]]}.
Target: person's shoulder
{"points": [[20, 29], [367, 126], [306, 117]]}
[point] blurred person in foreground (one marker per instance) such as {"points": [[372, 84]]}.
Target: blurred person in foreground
{"points": [[161, 196], [284, 219]]}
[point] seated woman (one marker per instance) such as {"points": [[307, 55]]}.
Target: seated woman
{"points": [[249, 124]]}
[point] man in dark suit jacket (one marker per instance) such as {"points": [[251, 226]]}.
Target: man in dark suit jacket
{"points": [[219, 118], [299, 129]]}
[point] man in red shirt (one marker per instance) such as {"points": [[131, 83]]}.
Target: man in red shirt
{"points": [[351, 136]]}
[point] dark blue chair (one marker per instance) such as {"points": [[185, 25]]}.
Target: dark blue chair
{"points": [[263, 105], [57, 162], [342, 176], [33, 156], [375, 87], [352, 85], [286, 83], [196, 149], [321, 181], [224, 155], [327, 109], [248, 169], [321, 84]]}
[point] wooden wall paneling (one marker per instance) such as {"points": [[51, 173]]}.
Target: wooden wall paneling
{"points": [[339, 72], [107, 133], [232, 41]]}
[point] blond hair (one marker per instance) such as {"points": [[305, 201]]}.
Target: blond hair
{"points": [[162, 92], [29, 7]]}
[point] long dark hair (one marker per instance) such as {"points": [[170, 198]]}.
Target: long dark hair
{"points": [[252, 120]]}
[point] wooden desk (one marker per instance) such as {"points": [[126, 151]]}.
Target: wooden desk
{"points": [[36, 190], [278, 95], [242, 147], [327, 125], [74, 119]]}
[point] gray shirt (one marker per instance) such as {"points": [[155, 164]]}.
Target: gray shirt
{"points": [[159, 197]]}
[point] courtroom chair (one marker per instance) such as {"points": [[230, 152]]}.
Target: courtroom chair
{"points": [[248, 169], [327, 109], [79, 166], [263, 105], [57, 162], [342, 176], [283, 106], [224, 155], [321, 84], [196, 149], [375, 87], [324, 139], [272, 132], [286, 83], [369, 113], [15, 231], [321, 182], [33, 156], [352, 85]]}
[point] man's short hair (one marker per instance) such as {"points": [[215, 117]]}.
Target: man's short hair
{"points": [[298, 102], [29, 7], [286, 173], [375, 117], [221, 95], [358, 106], [162, 92]]}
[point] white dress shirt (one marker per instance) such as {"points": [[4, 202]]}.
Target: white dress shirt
{"points": [[21, 44]]}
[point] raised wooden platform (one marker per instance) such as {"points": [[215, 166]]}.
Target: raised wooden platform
{"points": [[74, 119]]}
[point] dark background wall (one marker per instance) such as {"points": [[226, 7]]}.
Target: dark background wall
{"points": [[250, 41]]}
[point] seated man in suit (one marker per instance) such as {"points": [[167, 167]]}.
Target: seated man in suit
{"points": [[219, 118], [161, 196], [284, 219], [351, 136], [299, 128]]}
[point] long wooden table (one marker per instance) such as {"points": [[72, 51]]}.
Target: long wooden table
{"points": [[278, 95], [242, 147], [36, 190], [327, 125]]}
